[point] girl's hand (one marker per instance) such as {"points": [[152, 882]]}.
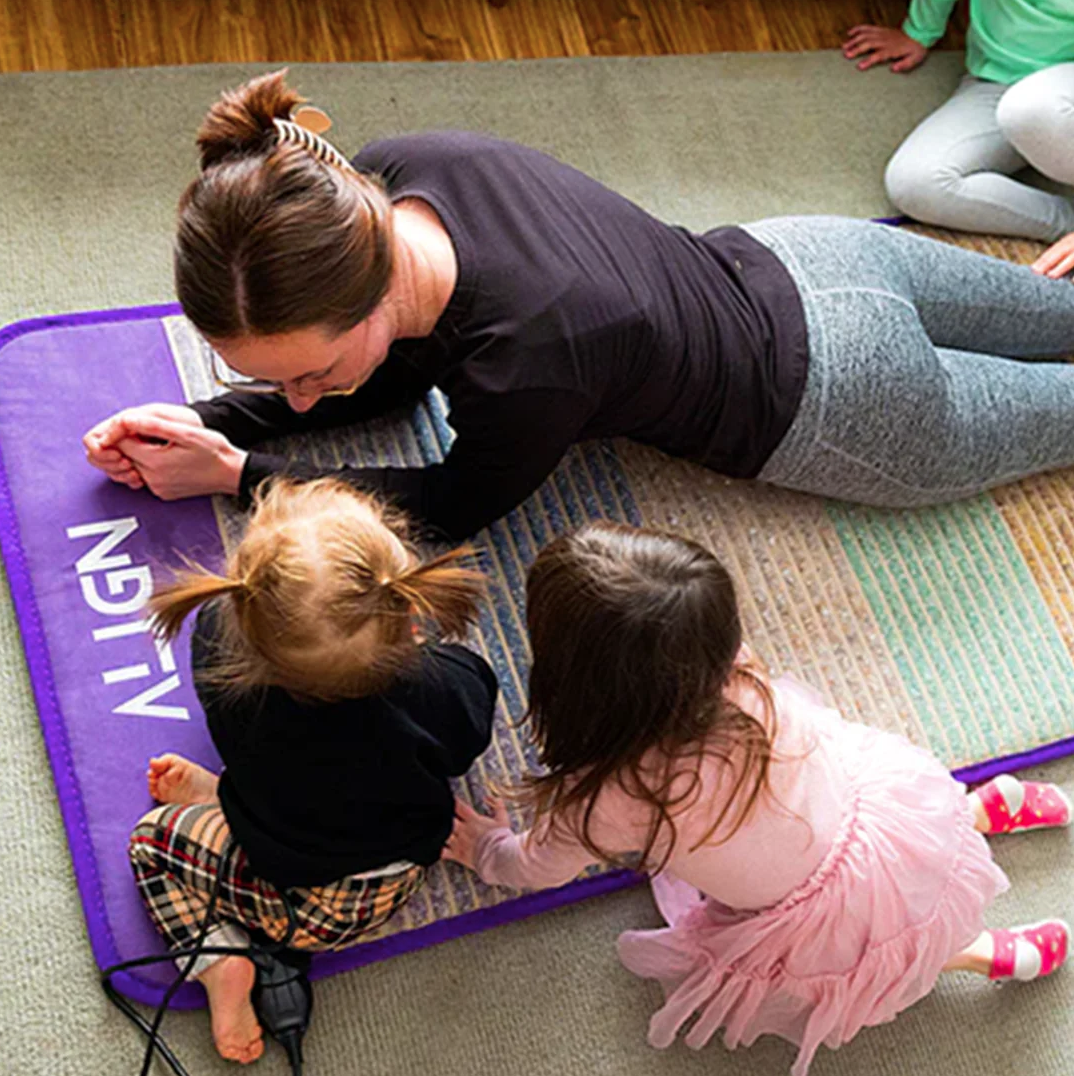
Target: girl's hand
{"points": [[1057, 260], [179, 459], [880, 45], [470, 827]]}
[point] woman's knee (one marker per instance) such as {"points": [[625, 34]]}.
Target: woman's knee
{"points": [[1036, 115]]}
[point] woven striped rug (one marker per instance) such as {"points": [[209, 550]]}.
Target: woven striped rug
{"points": [[953, 626]]}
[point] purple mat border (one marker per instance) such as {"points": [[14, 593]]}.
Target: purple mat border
{"points": [[458, 926], [40, 668], [54, 733], [983, 771]]}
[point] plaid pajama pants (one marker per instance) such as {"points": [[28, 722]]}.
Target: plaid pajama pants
{"points": [[178, 851]]}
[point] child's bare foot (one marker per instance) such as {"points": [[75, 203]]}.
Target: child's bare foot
{"points": [[174, 779], [236, 1032]]}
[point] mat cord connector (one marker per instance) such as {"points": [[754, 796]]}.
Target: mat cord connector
{"points": [[283, 999]]}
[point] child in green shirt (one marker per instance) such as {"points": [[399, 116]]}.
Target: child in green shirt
{"points": [[1015, 106]]}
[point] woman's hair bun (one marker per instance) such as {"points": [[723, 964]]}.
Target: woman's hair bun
{"points": [[241, 121]]}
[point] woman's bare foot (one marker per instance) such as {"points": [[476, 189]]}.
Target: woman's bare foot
{"points": [[236, 1032], [174, 779]]}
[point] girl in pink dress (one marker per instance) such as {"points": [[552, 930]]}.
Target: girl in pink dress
{"points": [[816, 875]]}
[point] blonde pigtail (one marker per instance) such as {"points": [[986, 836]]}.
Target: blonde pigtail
{"points": [[175, 601], [441, 590]]}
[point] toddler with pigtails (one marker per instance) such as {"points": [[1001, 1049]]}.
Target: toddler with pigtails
{"points": [[339, 727], [816, 875]]}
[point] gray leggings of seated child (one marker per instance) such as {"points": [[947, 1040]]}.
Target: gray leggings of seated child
{"points": [[954, 167]]}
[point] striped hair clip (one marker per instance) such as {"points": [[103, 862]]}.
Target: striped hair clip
{"points": [[305, 129]]}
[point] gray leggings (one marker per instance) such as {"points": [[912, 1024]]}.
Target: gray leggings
{"points": [[918, 391]]}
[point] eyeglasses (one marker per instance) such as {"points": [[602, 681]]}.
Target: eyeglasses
{"points": [[226, 378]]}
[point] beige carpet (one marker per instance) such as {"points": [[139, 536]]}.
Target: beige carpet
{"points": [[88, 179]]}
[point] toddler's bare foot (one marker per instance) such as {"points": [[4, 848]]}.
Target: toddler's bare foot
{"points": [[236, 1032], [174, 779]]}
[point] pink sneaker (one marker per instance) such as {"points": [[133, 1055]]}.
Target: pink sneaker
{"points": [[1029, 952], [1014, 806]]}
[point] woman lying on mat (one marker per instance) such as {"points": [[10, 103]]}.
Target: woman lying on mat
{"points": [[1014, 108], [833, 356], [338, 725], [816, 875]]}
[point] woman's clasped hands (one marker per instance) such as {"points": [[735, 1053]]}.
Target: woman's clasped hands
{"points": [[166, 449]]}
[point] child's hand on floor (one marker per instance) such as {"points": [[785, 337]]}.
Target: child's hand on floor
{"points": [[881, 45], [1057, 260], [470, 827]]}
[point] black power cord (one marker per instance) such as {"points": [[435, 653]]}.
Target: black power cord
{"points": [[282, 996]]}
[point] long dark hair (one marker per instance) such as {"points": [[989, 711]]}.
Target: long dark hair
{"points": [[635, 635]]}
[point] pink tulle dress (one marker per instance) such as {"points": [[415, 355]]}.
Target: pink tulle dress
{"points": [[832, 908]]}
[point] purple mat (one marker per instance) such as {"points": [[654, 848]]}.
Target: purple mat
{"points": [[80, 553]]}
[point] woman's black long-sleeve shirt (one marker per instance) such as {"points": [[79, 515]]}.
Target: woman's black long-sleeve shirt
{"points": [[576, 315]]}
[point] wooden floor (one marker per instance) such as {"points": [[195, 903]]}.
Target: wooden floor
{"points": [[71, 35]]}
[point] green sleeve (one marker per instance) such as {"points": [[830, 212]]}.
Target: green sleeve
{"points": [[927, 20]]}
